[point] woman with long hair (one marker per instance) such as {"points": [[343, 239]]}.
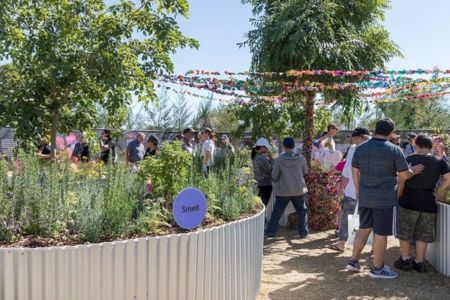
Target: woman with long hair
{"points": [[208, 149], [107, 147], [81, 152], [262, 162], [152, 146]]}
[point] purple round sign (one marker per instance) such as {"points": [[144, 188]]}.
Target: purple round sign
{"points": [[189, 208]]}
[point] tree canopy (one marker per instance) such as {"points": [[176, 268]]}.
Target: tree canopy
{"points": [[415, 114], [319, 34], [64, 57]]}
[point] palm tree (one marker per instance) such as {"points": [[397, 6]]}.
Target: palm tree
{"points": [[319, 34]]}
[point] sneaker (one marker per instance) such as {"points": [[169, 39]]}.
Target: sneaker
{"points": [[269, 235], [353, 265], [383, 273], [406, 265], [420, 267]]}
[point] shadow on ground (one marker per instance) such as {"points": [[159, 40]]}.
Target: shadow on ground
{"points": [[308, 269]]}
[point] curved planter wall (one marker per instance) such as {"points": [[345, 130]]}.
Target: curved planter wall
{"points": [[223, 262], [438, 253]]}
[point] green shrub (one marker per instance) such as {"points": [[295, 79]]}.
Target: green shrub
{"points": [[119, 199], [38, 196], [94, 202], [444, 198], [152, 219], [87, 216], [169, 171]]}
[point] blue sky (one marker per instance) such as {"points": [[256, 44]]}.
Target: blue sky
{"points": [[421, 29], [218, 25]]}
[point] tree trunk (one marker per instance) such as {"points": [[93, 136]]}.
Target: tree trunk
{"points": [[55, 124], [309, 126]]}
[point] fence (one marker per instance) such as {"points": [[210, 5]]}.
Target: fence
{"points": [[64, 141]]}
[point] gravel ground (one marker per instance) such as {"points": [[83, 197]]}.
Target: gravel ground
{"points": [[308, 269]]}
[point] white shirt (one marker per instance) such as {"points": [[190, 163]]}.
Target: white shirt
{"points": [[349, 190], [208, 146], [328, 142]]}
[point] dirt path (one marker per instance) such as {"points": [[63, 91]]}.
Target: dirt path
{"points": [[308, 269]]}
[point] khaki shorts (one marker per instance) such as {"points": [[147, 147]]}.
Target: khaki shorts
{"points": [[416, 225]]}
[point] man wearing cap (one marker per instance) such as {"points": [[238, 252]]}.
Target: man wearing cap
{"points": [[377, 166], [347, 187], [188, 138], [226, 143], [289, 185]]}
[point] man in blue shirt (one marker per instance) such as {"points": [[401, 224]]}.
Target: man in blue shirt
{"points": [[135, 151], [376, 167]]}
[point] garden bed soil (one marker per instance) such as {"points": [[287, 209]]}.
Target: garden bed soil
{"points": [[73, 240]]}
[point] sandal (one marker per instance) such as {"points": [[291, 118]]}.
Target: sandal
{"points": [[336, 248]]}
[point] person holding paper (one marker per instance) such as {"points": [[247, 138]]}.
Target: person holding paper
{"points": [[347, 187]]}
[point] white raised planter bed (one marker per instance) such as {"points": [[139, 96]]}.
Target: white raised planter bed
{"points": [[222, 262], [438, 253]]}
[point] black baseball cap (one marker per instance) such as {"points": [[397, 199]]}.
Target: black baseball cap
{"points": [[360, 131], [189, 129]]}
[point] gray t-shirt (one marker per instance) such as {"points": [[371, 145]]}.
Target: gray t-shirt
{"points": [[135, 151], [378, 162]]}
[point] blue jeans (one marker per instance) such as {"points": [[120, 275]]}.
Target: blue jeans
{"points": [[299, 203], [348, 208]]}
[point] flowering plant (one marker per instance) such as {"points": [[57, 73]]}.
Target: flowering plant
{"points": [[323, 201]]}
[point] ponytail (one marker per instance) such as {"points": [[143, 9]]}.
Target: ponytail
{"points": [[254, 151]]}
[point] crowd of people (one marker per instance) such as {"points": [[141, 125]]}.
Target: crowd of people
{"points": [[141, 147], [392, 187], [206, 146]]}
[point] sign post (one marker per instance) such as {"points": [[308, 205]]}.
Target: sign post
{"points": [[189, 208]]}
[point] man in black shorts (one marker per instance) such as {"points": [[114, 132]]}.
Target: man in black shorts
{"points": [[417, 204], [375, 167]]}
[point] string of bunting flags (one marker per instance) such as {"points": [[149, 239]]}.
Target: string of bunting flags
{"points": [[395, 84], [333, 73], [251, 86], [245, 100], [415, 97]]}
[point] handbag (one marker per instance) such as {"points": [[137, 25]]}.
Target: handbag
{"points": [[353, 227]]}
